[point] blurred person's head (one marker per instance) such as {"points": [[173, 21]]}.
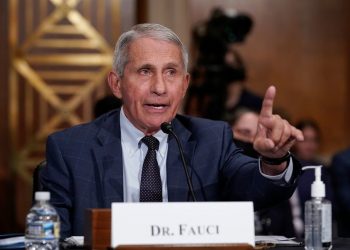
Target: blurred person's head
{"points": [[244, 124], [307, 150], [214, 37], [106, 104], [219, 67]]}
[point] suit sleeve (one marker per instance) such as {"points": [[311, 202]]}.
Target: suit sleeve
{"points": [[243, 180], [56, 179], [341, 172]]}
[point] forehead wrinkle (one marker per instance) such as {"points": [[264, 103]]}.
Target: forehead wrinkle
{"points": [[138, 51]]}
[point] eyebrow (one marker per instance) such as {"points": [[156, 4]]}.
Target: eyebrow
{"points": [[172, 65], [151, 66], [147, 65]]}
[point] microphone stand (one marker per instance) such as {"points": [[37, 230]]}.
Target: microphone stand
{"points": [[167, 128]]}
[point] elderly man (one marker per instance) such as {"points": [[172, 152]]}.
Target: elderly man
{"points": [[124, 156]]}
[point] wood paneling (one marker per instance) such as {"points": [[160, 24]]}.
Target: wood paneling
{"points": [[6, 185], [41, 89]]}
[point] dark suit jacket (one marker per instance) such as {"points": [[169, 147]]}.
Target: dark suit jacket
{"points": [[85, 168], [340, 170]]}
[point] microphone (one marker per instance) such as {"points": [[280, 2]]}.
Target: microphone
{"points": [[168, 129]]}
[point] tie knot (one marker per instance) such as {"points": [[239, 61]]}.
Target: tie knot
{"points": [[151, 142]]}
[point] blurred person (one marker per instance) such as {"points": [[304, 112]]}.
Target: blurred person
{"points": [[244, 124], [106, 104], [237, 95], [307, 152], [218, 76], [124, 156], [340, 169]]}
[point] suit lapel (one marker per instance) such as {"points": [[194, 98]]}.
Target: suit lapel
{"points": [[176, 178], [109, 161]]}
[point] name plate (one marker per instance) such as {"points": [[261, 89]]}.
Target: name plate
{"points": [[182, 223]]}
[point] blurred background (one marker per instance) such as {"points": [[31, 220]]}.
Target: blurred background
{"points": [[55, 55]]}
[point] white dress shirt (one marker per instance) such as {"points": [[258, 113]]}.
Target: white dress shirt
{"points": [[134, 153]]}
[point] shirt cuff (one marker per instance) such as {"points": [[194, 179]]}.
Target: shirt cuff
{"points": [[281, 179]]}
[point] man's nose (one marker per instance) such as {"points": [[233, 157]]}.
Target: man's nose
{"points": [[158, 84]]}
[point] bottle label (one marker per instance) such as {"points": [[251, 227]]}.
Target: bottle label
{"points": [[43, 230], [326, 223]]}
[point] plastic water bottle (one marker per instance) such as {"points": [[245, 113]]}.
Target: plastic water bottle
{"points": [[42, 225]]}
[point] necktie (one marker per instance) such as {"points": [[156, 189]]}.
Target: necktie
{"points": [[151, 184]]}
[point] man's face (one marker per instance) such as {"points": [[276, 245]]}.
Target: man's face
{"points": [[246, 127], [307, 150], [153, 84]]}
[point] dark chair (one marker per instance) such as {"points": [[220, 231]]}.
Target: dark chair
{"points": [[37, 186]]}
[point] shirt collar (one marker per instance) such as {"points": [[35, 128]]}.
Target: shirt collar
{"points": [[131, 136]]}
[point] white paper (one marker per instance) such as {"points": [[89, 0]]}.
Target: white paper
{"points": [[275, 240], [75, 240], [12, 240]]}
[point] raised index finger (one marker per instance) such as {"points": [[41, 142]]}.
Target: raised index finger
{"points": [[267, 105]]}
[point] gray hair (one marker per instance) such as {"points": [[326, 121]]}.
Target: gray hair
{"points": [[149, 30]]}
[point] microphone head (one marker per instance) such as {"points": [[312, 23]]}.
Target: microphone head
{"points": [[166, 127]]}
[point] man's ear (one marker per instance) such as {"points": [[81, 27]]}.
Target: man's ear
{"points": [[186, 83], [114, 84]]}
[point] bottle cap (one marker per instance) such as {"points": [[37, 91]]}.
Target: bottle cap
{"points": [[318, 188], [42, 196]]}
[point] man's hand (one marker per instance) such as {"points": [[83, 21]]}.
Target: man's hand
{"points": [[275, 136]]}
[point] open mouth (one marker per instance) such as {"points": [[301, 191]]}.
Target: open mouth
{"points": [[156, 106]]}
